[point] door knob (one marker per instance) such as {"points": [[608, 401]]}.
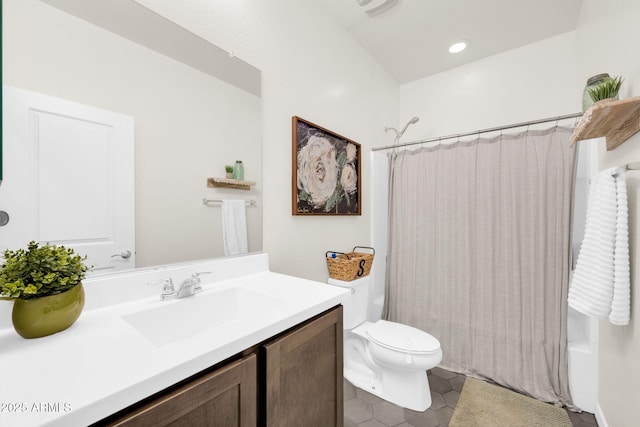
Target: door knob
{"points": [[4, 218], [124, 254]]}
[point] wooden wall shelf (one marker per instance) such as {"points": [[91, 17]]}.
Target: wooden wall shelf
{"points": [[230, 183], [615, 120]]}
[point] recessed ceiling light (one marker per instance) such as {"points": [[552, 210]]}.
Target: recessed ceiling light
{"points": [[458, 47]]}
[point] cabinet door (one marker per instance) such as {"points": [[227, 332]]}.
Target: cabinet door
{"points": [[225, 397], [304, 375]]}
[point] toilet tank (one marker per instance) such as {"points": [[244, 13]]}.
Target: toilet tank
{"points": [[355, 308]]}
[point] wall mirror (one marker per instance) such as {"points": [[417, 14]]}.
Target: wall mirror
{"points": [[195, 109]]}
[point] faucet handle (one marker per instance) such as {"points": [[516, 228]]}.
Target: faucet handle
{"points": [[197, 275], [196, 280], [168, 290]]}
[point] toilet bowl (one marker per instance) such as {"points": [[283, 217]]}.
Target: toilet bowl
{"points": [[387, 359]]}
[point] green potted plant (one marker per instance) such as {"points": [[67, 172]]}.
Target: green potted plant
{"points": [[607, 89], [45, 283], [229, 171]]}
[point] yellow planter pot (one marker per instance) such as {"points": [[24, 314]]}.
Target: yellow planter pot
{"points": [[39, 317]]}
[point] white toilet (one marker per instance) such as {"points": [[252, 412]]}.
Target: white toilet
{"points": [[387, 359]]}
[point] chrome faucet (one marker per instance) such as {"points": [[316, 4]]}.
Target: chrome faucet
{"points": [[187, 288], [191, 285]]}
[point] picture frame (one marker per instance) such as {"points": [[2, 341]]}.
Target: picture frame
{"points": [[326, 171]]}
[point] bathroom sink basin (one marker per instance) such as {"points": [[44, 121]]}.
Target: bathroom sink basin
{"points": [[184, 318]]}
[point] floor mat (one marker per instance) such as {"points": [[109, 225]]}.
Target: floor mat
{"points": [[486, 405]]}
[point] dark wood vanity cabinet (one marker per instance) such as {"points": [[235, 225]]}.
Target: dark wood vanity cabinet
{"points": [[223, 397], [303, 375], [292, 380]]}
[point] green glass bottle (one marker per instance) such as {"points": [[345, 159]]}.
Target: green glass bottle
{"points": [[238, 170]]}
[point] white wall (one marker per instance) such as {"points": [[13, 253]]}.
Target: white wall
{"points": [[313, 69], [607, 41], [532, 82], [188, 125]]}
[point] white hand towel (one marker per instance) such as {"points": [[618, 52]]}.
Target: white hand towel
{"points": [[234, 227], [600, 286], [621, 304]]}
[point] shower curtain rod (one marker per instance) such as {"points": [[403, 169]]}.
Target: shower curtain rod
{"points": [[458, 135]]}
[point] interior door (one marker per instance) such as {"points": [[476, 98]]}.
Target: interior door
{"points": [[68, 178]]}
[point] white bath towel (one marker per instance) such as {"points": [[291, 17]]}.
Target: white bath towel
{"points": [[601, 284], [234, 227]]}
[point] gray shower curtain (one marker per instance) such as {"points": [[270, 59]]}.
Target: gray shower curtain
{"points": [[478, 255]]}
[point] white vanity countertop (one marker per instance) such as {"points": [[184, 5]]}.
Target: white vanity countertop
{"points": [[103, 364]]}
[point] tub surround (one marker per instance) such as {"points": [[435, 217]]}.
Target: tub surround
{"points": [[103, 363], [582, 348]]}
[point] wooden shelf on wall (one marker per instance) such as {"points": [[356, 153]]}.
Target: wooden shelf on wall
{"points": [[615, 120], [230, 183]]}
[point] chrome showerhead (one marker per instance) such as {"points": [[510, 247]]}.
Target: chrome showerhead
{"points": [[411, 122], [398, 133]]}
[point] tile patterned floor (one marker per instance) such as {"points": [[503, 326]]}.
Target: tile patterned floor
{"points": [[362, 409]]}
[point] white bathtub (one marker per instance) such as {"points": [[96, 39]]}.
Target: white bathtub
{"points": [[582, 333]]}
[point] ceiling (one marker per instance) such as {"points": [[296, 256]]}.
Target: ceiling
{"points": [[411, 39], [141, 25]]}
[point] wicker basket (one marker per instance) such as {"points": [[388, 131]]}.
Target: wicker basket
{"points": [[350, 266]]}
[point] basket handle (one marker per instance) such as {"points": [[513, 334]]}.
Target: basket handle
{"points": [[364, 247], [334, 252]]}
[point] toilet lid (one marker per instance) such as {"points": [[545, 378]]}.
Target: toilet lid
{"points": [[397, 336]]}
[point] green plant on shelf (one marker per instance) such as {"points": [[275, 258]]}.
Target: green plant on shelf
{"points": [[608, 88]]}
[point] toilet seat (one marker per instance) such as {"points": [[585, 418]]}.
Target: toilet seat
{"points": [[403, 338]]}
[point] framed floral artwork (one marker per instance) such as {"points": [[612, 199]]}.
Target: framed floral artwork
{"points": [[326, 171]]}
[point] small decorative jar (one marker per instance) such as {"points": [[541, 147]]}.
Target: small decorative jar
{"points": [[238, 170], [591, 83]]}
